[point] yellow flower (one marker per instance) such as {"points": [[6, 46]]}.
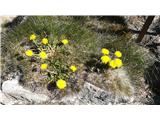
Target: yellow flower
{"points": [[73, 68], [65, 41], [43, 55], [105, 59], [118, 62], [61, 84], [45, 41], [105, 51], [29, 53], [44, 66], [118, 54], [112, 64], [32, 37]]}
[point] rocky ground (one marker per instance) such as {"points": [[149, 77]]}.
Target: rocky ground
{"points": [[151, 41], [12, 92]]}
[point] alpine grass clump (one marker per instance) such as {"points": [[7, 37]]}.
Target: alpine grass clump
{"points": [[54, 49]]}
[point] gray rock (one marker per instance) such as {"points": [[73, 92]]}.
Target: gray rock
{"points": [[92, 95], [6, 99], [135, 22], [12, 87]]}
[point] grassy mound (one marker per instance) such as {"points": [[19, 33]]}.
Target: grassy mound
{"points": [[86, 35]]}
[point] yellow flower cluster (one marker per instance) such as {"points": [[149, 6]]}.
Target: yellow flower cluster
{"points": [[61, 84], [42, 54], [33, 37], [113, 63]]}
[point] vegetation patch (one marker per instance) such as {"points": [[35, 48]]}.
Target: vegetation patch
{"points": [[53, 51]]}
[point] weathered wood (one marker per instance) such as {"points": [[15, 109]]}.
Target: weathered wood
{"points": [[145, 28]]}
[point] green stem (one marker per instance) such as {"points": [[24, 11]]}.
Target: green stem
{"points": [[37, 45]]}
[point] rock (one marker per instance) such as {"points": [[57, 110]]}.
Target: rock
{"points": [[92, 95], [6, 99], [12, 87], [155, 26], [10, 22], [158, 49], [135, 22], [116, 81], [5, 19], [100, 90]]}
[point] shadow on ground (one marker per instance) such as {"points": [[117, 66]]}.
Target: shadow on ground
{"points": [[14, 22], [113, 19], [94, 64], [152, 78]]}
